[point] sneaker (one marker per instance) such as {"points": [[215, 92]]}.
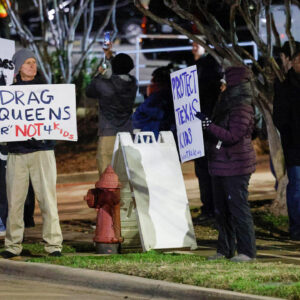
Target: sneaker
{"points": [[216, 256], [55, 254], [6, 254], [241, 258], [202, 218], [3, 232]]}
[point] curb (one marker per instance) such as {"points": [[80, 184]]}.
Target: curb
{"points": [[115, 282], [91, 176]]}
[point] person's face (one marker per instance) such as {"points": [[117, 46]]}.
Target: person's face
{"points": [[28, 69], [197, 51], [296, 64], [286, 63]]}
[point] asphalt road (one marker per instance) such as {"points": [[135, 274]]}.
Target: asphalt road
{"points": [[15, 288]]}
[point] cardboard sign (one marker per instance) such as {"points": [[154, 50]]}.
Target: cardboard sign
{"points": [[186, 99], [7, 50], [159, 199], [42, 112]]}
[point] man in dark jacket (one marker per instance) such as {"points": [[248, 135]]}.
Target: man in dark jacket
{"points": [[286, 117], [209, 76], [115, 90], [33, 161]]}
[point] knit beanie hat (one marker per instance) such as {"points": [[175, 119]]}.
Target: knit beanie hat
{"points": [[122, 64], [237, 75], [20, 57]]}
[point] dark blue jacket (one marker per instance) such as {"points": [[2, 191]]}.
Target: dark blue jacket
{"points": [[156, 113], [30, 145]]}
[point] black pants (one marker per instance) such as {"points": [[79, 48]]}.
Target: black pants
{"points": [[233, 216], [205, 185], [3, 197], [29, 207]]}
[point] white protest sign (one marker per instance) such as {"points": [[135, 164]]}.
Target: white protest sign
{"points": [[43, 112], [7, 50], [186, 99]]}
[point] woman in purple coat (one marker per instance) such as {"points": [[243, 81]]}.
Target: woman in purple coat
{"points": [[231, 161]]}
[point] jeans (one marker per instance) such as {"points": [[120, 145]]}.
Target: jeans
{"points": [[2, 226], [233, 216], [293, 200]]}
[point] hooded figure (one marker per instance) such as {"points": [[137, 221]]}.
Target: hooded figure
{"points": [[115, 90], [231, 161], [156, 113]]}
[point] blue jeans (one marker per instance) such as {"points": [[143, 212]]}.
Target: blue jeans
{"points": [[293, 200], [2, 226]]}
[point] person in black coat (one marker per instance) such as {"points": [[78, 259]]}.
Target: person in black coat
{"points": [[209, 76], [115, 90], [286, 117]]}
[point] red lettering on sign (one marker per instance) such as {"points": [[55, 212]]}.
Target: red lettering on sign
{"points": [[19, 129]]}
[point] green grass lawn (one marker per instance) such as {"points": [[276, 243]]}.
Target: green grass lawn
{"points": [[260, 278]]}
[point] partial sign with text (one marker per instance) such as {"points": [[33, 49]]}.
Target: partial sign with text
{"points": [[42, 112], [186, 99], [7, 50]]}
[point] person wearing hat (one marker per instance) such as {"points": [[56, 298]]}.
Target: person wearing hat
{"points": [[115, 90], [231, 161], [209, 75], [286, 117], [156, 113], [33, 161]]}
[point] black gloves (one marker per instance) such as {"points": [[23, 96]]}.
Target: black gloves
{"points": [[205, 120]]}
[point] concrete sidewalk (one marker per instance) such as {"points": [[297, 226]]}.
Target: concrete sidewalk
{"points": [[71, 188]]}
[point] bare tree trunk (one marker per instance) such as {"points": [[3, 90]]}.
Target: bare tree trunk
{"points": [[278, 206]]}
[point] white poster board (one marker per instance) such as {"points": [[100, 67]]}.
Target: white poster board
{"points": [[7, 50], [157, 184], [186, 99], [42, 112]]}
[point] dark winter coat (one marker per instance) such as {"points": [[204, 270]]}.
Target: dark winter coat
{"points": [[209, 75], [156, 113], [116, 96], [30, 145], [286, 116], [231, 131]]}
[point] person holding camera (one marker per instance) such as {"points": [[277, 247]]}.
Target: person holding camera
{"points": [[115, 90]]}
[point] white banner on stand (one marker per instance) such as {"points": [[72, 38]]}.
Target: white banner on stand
{"points": [[42, 112], [7, 50], [186, 99]]}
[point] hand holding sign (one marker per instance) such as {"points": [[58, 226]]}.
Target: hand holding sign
{"points": [[43, 112], [205, 120], [186, 104]]}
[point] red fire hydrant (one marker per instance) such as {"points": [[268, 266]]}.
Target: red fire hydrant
{"points": [[106, 199]]}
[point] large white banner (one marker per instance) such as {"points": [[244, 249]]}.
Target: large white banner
{"points": [[42, 112], [7, 50], [186, 99]]}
